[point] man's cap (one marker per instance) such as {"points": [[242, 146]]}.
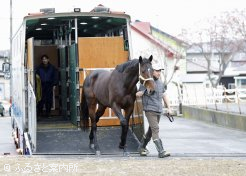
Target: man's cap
{"points": [[157, 67]]}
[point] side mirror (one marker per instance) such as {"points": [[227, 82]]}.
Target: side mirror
{"points": [[6, 70]]}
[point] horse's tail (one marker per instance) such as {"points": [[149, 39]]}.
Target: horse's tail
{"points": [[84, 112]]}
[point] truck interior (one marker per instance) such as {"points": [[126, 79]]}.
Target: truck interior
{"points": [[75, 44]]}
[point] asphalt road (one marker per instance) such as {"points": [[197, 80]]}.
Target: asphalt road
{"points": [[185, 137]]}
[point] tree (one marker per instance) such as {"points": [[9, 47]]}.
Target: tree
{"points": [[237, 22], [222, 37]]}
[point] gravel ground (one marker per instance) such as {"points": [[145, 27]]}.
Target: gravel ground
{"points": [[91, 165]]}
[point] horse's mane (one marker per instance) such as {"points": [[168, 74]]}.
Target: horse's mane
{"points": [[127, 65]]}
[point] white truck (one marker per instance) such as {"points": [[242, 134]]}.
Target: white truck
{"points": [[76, 42]]}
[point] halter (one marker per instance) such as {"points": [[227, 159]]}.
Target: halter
{"points": [[142, 78]]}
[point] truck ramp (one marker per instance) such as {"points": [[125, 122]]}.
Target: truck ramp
{"points": [[74, 141]]}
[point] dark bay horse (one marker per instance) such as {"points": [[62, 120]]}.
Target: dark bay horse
{"points": [[115, 89]]}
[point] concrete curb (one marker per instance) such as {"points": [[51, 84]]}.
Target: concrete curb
{"points": [[230, 120]]}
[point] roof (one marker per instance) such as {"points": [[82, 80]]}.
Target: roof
{"points": [[239, 57], [87, 25], [200, 66], [193, 78], [144, 28], [206, 48], [4, 53], [241, 68], [170, 36]]}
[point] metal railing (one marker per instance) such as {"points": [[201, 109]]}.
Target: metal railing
{"points": [[229, 100]]}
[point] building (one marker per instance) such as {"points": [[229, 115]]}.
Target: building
{"points": [[167, 51], [234, 75], [4, 83]]}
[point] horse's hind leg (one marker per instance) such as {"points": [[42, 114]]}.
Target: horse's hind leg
{"points": [[93, 136], [100, 112]]}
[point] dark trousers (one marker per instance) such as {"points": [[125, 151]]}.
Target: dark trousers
{"points": [[47, 99]]}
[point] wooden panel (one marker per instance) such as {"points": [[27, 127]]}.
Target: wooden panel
{"points": [[101, 52], [138, 108], [30, 63], [50, 51]]}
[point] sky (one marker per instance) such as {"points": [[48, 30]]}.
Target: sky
{"points": [[170, 16]]}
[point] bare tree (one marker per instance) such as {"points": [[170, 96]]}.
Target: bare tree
{"points": [[220, 40], [237, 23]]}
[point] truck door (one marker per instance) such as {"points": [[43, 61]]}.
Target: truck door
{"points": [[31, 101], [73, 85]]}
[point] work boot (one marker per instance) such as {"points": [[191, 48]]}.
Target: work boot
{"points": [[142, 147], [161, 152]]}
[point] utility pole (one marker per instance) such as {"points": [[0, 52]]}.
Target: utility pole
{"points": [[10, 35], [10, 49]]}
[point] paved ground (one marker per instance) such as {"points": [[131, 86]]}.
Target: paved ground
{"points": [[197, 149], [6, 141], [185, 137]]}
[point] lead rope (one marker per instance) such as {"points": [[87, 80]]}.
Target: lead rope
{"points": [[170, 117], [145, 80]]}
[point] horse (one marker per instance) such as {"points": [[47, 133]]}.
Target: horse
{"points": [[115, 89]]}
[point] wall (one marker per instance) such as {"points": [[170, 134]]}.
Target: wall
{"points": [[235, 121], [144, 47]]}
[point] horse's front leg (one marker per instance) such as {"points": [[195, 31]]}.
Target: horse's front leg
{"points": [[118, 113], [124, 126], [124, 132]]}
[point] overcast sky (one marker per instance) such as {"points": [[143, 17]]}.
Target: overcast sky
{"points": [[170, 16]]}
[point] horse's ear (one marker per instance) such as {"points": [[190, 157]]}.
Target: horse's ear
{"points": [[150, 58], [140, 59]]}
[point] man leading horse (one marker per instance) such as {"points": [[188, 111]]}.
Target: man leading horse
{"points": [[152, 105]]}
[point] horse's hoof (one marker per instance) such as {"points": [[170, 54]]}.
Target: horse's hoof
{"points": [[98, 153], [126, 154], [122, 146], [92, 146]]}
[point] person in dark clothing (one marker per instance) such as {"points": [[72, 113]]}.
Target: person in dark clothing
{"points": [[48, 75], [153, 108]]}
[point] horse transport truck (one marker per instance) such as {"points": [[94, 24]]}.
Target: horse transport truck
{"points": [[76, 43]]}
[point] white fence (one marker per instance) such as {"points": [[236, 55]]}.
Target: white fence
{"points": [[214, 98]]}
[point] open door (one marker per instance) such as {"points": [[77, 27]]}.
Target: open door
{"points": [[31, 104], [63, 80], [73, 85]]}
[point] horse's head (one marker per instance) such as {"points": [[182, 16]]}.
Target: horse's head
{"points": [[146, 73]]}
